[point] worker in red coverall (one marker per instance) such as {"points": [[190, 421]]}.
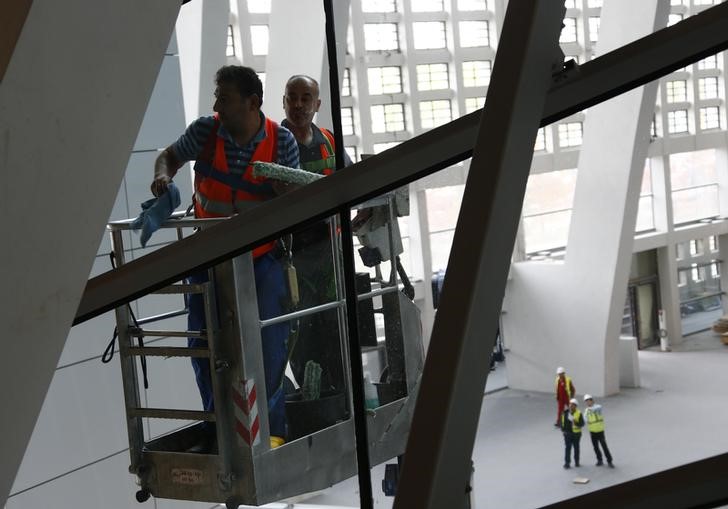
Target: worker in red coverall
{"points": [[564, 392]]}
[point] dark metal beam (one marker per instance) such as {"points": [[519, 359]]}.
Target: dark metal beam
{"points": [[701, 484], [437, 466], [605, 77]]}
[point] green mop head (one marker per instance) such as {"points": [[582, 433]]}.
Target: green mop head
{"points": [[311, 388], [284, 173]]}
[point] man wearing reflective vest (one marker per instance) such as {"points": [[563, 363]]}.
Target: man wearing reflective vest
{"points": [[571, 423], [595, 423], [564, 388], [318, 335], [223, 146]]}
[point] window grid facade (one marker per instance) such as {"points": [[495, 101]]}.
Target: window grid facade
{"points": [[413, 79]]}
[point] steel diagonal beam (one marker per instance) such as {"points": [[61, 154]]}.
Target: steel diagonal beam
{"points": [[600, 79], [445, 421], [701, 484]]}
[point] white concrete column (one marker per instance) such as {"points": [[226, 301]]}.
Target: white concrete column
{"points": [[669, 294], [71, 103], [201, 39], [662, 193], [570, 314], [341, 20], [296, 46]]}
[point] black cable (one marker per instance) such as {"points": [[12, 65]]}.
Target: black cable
{"points": [[357, 376], [111, 347]]}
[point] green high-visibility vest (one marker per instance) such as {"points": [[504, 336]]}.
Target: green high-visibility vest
{"points": [[595, 421], [574, 427]]}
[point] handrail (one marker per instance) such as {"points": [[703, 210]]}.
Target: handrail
{"points": [[605, 77]]}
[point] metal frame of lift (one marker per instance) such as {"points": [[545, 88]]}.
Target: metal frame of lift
{"points": [[245, 469]]}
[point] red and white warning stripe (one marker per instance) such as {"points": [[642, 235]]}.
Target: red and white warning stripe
{"points": [[247, 423]]}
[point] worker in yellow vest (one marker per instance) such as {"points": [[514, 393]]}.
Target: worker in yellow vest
{"points": [[595, 423], [564, 388], [571, 423]]}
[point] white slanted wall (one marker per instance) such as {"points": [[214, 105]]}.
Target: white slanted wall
{"points": [[71, 105]]}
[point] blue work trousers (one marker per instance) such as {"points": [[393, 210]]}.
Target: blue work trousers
{"points": [[272, 292], [571, 440]]}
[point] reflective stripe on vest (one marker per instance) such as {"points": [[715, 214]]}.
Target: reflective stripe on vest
{"points": [[567, 386], [214, 198], [327, 163], [595, 421]]}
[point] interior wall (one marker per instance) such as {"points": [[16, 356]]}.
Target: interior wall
{"points": [[71, 106], [569, 314]]}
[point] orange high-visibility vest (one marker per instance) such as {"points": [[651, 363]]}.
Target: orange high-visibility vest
{"points": [[216, 199]]}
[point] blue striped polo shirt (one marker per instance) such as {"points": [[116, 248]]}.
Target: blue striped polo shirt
{"points": [[190, 144]]}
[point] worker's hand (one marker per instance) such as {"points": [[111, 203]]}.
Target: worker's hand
{"points": [[159, 184]]}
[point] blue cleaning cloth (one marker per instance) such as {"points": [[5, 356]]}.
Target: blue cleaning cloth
{"points": [[156, 211]]}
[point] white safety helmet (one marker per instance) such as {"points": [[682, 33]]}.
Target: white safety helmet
{"points": [[560, 370], [587, 397], [573, 400]]}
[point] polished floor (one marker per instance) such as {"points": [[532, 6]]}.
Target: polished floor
{"points": [[678, 415]]}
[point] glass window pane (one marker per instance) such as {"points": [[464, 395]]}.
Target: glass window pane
{"points": [[259, 39], [594, 23], [690, 169], [346, 83], [259, 6], [230, 46], [427, 6], [476, 73], [645, 215], [708, 87], [435, 113], [381, 147], [710, 62], [387, 118], [384, 80], [570, 134], [432, 77], [677, 121], [429, 34], [568, 32], [472, 5], [474, 103], [676, 91], [710, 118], [347, 121], [474, 33], [379, 6], [381, 37]]}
